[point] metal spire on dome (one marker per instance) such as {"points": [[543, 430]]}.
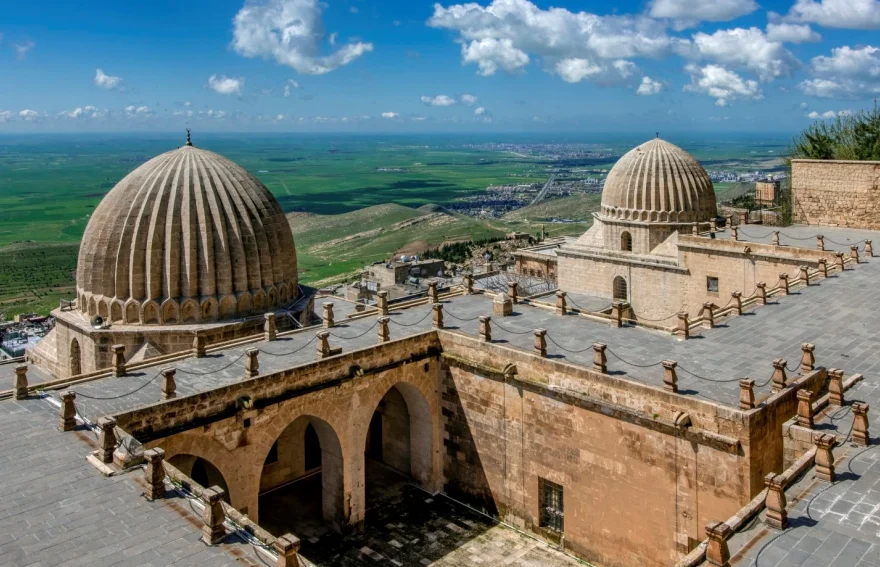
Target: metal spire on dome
{"points": [[188, 139]]}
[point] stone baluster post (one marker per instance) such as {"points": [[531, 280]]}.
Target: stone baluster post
{"points": [[779, 378], [270, 330], [561, 308], [169, 385], [708, 315], [437, 317], [600, 361], [854, 253], [713, 224], [737, 302], [106, 439], [869, 249], [775, 238], [718, 552], [820, 242], [154, 473], [433, 296], [808, 360], [734, 232], [213, 515], [835, 387], [670, 378], [684, 328], [825, 456], [200, 344], [328, 322], [382, 303], [805, 408], [777, 516], [728, 221], [617, 314], [761, 292], [823, 267], [747, 394], [695, 231], [323, 348], [468, 284], [783, 283], [485, 328], [251, 363], [384, 334], [287, 549], [541, 342], [118, 360], [20, 386], [68, 411], [805, 275], [860, 435], [840, 261], [744, 218], [513, 292]]}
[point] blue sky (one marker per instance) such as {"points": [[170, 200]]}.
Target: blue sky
{"points": [[504, 65]]}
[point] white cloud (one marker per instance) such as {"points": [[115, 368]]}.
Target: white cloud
{"points": [[4, 114], [650, 87], [332, 38], [133, 111], [291, 84], [353, 10], [468, 99], [291, 32], [279, 117], [577, 69], [828, 114], [218, 114], [855, 14], [187, 113], [390, 115], [804, 105], [439, 100], [106, 81], [748, 49], [848, 72], [419, 118], [792, 33], [83, 112], [480, 111], [29, 115], [226, 85], [187, 104], [721, 84], [507, 33], [22, 49], [688, 13]]}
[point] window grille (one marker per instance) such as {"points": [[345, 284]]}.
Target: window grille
{"points": [[552, 514], [712, 284]]}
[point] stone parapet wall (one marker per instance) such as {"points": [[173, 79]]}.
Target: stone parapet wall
{"points": [[836, 193]]}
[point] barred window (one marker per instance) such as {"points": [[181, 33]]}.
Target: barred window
{"points": [[552, 515], [712, 284]]}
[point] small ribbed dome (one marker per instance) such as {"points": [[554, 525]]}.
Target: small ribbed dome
{"points": [[187, 237], [659, 182]]}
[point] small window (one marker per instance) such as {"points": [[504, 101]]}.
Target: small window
{"points": [[552, 515], [626, 242], [272, 457], [712, 284], [619, 289]]}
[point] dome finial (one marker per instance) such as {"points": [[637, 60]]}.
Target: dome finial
{"points": [[658, 134], [188, 139]]}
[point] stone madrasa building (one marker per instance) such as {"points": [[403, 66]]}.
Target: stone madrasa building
{"points": [[689, 395]]}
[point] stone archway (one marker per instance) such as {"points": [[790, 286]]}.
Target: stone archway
{"points": [[75, 358], [202, 471]]}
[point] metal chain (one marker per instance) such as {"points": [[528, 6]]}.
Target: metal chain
{"points": [[356, 336], [291, 352], [568, 350], [412, 324], [612, 353], [138, 389], [191, 373], [511, 331]]}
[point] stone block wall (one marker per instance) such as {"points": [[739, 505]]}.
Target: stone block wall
{"points": [[836, 193]]}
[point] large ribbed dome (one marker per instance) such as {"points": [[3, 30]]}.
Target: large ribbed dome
{"points": [[187, 237], [659, 182]]}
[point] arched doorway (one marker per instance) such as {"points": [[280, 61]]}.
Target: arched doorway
{"points": [[202, 471], [75, 358], [620, 289], [398, 447], [301, 482], [626, 241]]}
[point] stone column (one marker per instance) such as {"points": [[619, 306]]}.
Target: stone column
{"points": [[783, 283], [251, 363], [747, 394], [617, 314], [779, 379], [169, 385], [287, 548], [713, 224], [737, 297], [854, 253], [820, 242], [200, 343], [670, 378], [840, 262], [323, 348], [20, 386], [118, 360], [468, 281], [437, 317], [684, 328], [561, 308], [106, 439], [717, 552], [600, 361], [761, 292], [384, 333], [382, 303], [433, 296], [835, 387], [68, 411], [708, 316], [869, 249], [513, 292], [808, 361], [270, 330], [825, 456], [775, 238], [154, 473], [777, 516], [805, 408], [744, 218], [485, 328], [328, 315], [860, 435], [728, 221], [694, 230], [734, 232], [805, 275], [823, 267], [213, 516], [541, 342]]}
